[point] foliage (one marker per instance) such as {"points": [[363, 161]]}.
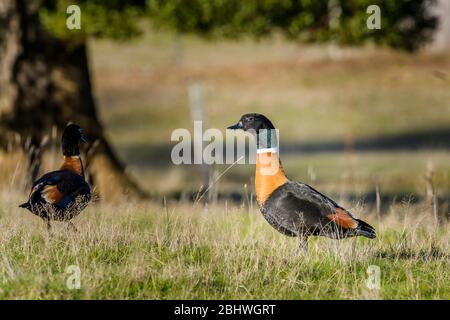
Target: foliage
{"points": [[101, 19], [405, 24]]}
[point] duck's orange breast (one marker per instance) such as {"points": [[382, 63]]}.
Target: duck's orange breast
{"points": [[269, 176], [73, 163]]}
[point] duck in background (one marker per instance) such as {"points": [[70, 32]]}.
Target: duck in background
{"points": [[61, 195], [294, 208]]}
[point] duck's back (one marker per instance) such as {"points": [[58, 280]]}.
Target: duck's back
{"points": [[296, 208], [63, 192]]}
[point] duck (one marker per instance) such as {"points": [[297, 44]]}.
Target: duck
{"points": [[294, 208], [62, 194]]}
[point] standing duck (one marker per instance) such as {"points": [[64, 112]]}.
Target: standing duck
{"points": [[293, 208], [61, 195]]}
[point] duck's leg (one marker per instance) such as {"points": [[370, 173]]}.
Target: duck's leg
{"points": [[49, 226], [302, 248]]}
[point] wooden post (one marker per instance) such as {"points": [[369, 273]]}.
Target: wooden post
{"points": [[378, 201], [197, 107], [431, 197]]}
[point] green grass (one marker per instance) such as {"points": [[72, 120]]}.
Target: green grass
{"points": [[196, 252]]}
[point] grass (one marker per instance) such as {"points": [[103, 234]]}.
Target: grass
{"points": [[146, 251]]}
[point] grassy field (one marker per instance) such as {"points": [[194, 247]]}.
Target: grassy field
{"points": [[182, 251]]}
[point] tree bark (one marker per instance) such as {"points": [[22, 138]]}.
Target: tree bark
{"points": [[45, 83]]}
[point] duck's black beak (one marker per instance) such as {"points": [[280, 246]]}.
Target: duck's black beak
{"points": [[236, 126]]}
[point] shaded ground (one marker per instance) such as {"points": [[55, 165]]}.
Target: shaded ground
{"points": [[158, 155], [438, 139]]}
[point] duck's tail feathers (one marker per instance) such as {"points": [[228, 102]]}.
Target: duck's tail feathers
{"points": [[366, 230], [25, 205]]}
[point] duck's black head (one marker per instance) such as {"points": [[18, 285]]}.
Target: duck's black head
{"points": [[260, 126], [253, 121], [72, 135]]}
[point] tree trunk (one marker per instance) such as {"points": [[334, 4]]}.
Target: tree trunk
{"points": [[45, 83]]}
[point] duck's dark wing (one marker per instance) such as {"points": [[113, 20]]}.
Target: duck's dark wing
{"points": [[300, 208], [59, 188]]}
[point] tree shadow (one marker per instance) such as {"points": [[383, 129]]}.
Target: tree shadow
{"points": [[159, 155], [438, 139]]}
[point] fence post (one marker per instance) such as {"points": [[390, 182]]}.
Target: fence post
{"points": [[197, 107]]}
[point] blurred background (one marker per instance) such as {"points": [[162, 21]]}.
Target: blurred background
{"points": [[364, 114]]}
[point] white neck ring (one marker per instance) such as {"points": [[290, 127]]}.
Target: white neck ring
{"points": [[267, 150]]}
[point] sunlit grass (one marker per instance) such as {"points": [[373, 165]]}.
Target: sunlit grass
{"points": [[181, 251]]}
